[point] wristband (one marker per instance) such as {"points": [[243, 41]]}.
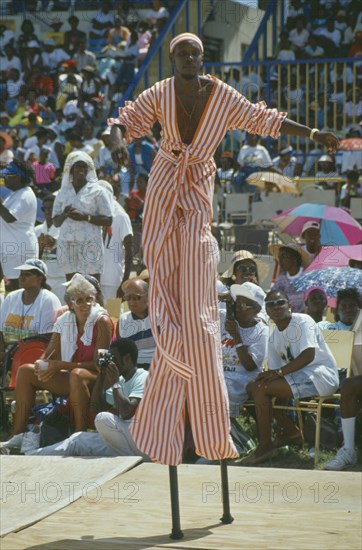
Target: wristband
{"points": [[88, 218], [312, 132], [240, 345]]}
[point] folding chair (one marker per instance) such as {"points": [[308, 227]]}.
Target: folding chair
{"points": [[27, 350], [341, 344]]}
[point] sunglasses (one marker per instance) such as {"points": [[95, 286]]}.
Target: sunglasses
{"points": [[134, 297], [274, 303], [245, 268], [89, 300]]}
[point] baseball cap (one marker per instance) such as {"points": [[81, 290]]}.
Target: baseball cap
{"points": [[248, 290], [33, 263], [310, 225]]}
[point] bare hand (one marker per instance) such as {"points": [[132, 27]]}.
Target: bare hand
{"points": [[264, 378], [45, 375], [110, 374], [76, 215], [327, 139], [232, 329], [120, 155]]}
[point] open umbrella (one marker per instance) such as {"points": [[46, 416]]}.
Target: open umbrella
{"points": [[283, 183], [336, 256], [337, 226], [331, 279], [351, 144]]}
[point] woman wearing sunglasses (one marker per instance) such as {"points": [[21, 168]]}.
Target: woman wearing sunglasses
{"points": [[70, 356], [300, 365]]}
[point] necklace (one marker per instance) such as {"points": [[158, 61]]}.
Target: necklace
{"points": [[189, 116], [25, 313]]}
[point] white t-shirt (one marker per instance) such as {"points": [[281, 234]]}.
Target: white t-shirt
{"points": [[134, 387], [303, 333], [113, 247], [18, 320], [256, 156], [18, 239]]}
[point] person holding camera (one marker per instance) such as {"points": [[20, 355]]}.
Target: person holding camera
{"points": [[119, 388]]}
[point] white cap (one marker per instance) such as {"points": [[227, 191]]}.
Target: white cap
{"points": [[248, 290]]}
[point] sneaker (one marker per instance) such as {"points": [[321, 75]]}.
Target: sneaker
{"points": [[15, 442], [31, 441], [344, 457]]}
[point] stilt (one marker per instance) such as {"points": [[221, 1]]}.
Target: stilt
{"points": [[176, 532], [227, 517]]}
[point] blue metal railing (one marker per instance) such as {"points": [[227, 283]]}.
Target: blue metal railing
{"points": [[252, 53]]}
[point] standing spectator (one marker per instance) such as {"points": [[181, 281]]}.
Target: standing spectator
{"points": [[135, 323], [27, 35], [118, 242], [81, 209], [17, 220], [32, 58], [74, 36], [141, 154], [292, 260], [47, 235], [127, 70], [44, 170], [106, 165]]}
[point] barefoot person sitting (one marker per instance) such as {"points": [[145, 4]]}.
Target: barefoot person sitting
{"points": [[300, 365]]}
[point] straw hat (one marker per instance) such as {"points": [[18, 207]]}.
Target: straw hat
{"points": [[8, 142], [274, 251], [241, 255]]}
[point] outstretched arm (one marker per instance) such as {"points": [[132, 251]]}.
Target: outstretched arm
{"points": [[327, 139]]}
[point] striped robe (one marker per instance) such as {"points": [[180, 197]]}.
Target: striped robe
{"points": [[181, 256]]}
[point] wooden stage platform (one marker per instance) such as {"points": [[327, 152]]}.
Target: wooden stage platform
{"points": [[273, 508]]}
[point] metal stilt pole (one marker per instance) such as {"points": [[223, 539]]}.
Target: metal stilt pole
{"points": [[176, 532], [226, 517]]}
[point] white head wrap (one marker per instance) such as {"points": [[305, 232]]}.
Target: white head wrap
{"points": [[183, 37], [72, 158]]}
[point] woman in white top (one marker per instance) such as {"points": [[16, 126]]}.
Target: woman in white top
{"points": [[29, 311], [81, 209], [17, 220], [300, 365]]}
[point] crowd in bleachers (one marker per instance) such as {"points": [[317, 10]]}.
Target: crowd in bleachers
{"points": [[55, 92]]}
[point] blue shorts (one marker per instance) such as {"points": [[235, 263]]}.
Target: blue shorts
{"points": [[301, 384]]}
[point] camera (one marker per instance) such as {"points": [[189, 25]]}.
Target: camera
{"points": [[104, 358]]}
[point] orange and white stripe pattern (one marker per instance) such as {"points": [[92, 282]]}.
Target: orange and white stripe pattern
{"points": [[182, 256]]}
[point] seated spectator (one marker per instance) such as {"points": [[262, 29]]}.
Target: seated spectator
{"points": [[315, 300], [135, 323], [81, 209], [356, 47], [313, 49], [329, 37], [119, 35], [91, 86], [351, 189], [71, 355], [311, 233], [326, 170], [6, 154], [29, 311], [285, 163], [341, 22], [351, 160], [157, 15], [74, 36], [52, 56], [144, 41], [227, 172], [32, 58], [347, 310], [103, 21], [297, 368], [136, 200], [284, 51], [244, 353], [351, 394], [292, 260], [341, 78], [118, 389], [17, 219], [15, 86], [84, 57], [253, 157], [118, 241], [27, 35], [141, 155], [10, 60], [130, 59], [353, 106], [44, 171], [299, 36]]}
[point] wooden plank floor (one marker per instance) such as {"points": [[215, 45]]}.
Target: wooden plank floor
{"points": [[273, 509]]}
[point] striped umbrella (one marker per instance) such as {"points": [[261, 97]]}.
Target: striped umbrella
{"points": [[337, 226]]}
